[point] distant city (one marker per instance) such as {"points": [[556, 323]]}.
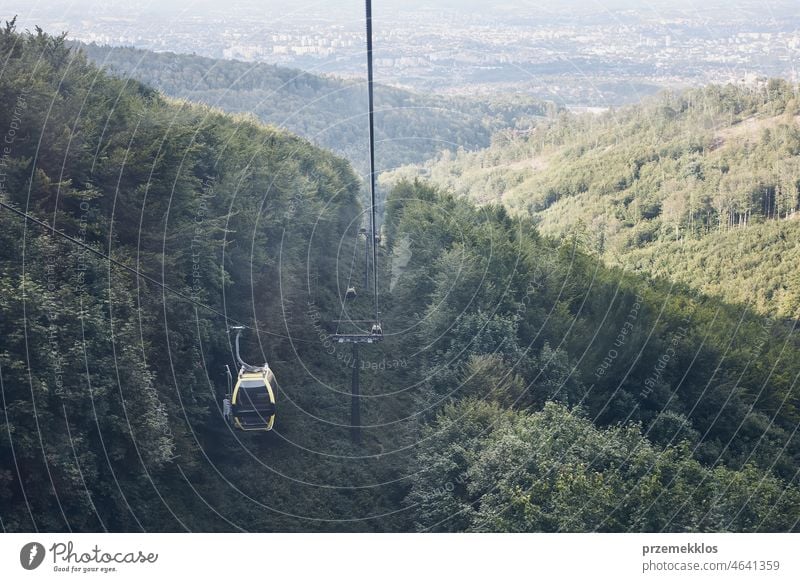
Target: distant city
{"points": [[601, 60]]}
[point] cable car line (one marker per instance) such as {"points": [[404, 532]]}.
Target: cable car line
{"points": [[376, 332], [370, 84], [136, 272]]}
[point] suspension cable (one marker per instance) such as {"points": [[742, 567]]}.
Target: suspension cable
{"points": [[131, 270], [372, 159]]}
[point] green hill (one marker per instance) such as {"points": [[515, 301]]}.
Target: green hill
{"points": [[701, 187], [521, 386], [511, 330], [326, 110], [112, 384]]}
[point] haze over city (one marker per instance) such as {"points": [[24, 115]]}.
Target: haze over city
{"points": [[579, 53]]}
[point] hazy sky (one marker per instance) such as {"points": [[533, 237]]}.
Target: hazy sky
{"points": [[88, 7], [74, 15]]}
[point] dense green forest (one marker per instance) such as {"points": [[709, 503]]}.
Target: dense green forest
{"points": [[522, 385], [708, 179], [329, 111]]}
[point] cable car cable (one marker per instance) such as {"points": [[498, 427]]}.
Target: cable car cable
{"points": [[82, 244], [372, 157]]}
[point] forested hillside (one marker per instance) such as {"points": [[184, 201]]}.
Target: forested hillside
{"points": [[111, 384], [578, 397], [410, 128], [521, 386], [701, 187]]}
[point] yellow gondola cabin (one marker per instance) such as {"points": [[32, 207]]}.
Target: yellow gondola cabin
{"points": [[250, 403]]}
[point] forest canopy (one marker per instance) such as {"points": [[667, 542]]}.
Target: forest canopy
{"points": [[701, 187], [522, 385]]}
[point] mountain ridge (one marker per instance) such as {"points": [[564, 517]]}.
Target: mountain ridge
{"points": [[327, 110]]}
